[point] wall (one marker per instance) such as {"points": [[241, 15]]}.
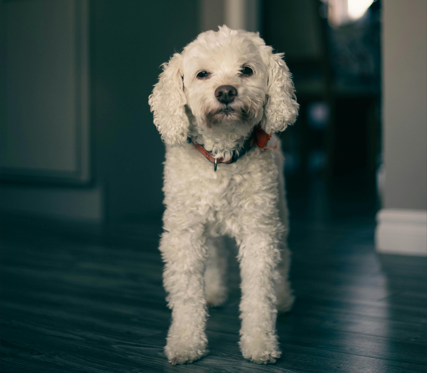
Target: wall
{"points": [[404, 105], [128, 41], [402, 221], [45, 155]]}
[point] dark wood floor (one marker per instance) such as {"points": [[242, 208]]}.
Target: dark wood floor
{"points": [[76, 298]]}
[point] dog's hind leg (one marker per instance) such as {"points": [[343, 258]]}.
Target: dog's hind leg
{"points": [[215, 275], [285, 298]]}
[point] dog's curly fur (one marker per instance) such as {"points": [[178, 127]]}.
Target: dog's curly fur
{"points": [[244, 200]]}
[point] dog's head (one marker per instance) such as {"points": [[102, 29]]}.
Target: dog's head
{"points": [[221, 79]]}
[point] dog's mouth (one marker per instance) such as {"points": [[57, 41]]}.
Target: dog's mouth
{"points": [[227, 113]]}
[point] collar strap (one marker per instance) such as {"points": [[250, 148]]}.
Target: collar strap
{"points": [[258, 137]]}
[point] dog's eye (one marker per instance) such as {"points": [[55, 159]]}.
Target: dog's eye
{"points": [[202, 74], [246, 71]]}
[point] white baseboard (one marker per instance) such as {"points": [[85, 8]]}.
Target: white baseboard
{"points": [[401, 232]]}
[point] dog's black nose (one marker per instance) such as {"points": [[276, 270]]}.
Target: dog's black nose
{"points": [[225, 94]]}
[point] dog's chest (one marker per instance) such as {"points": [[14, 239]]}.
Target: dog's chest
{"points": [[191, 182]]}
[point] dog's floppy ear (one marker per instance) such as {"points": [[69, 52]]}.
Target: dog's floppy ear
{"points": [[281, 108], [168, 101]]}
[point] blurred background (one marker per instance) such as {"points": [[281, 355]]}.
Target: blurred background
{"points": [[77, 140]]}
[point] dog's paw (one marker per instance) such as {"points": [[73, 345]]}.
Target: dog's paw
{"points": [[285, 298], [184, 356], [285, 304], [260, 349], [215, 301], [185, 350], [217, 298]]}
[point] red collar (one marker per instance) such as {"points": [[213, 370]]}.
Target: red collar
{"points": [[209, 156], [259, 137]]}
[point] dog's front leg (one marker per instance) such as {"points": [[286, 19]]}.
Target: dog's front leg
{"points": [[184, 254], [259, 256]]}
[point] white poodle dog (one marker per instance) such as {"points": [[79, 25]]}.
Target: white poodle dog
{"points": [[215, 105]]}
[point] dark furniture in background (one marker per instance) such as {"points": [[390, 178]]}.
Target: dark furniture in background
{"points": [[336, 74]]}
